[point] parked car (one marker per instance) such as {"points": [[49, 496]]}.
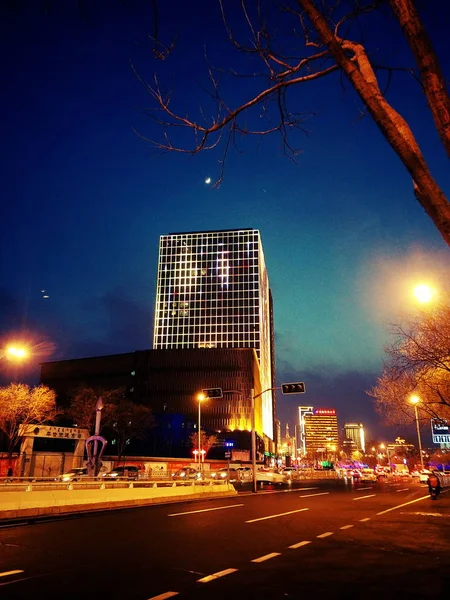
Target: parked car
{"points": [[186, 473], [232, 474], [123, 472], [269, 476], [367, 475], [423, 475], [290, 473], [245, 474], [73, 475]]}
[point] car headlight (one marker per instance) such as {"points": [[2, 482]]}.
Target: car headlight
{"points": [[66, 478]]}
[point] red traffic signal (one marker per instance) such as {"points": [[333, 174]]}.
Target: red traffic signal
{"points": [[213, 393], [293, 388]]}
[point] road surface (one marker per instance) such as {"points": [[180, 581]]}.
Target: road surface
{"points": [[315, 540]]}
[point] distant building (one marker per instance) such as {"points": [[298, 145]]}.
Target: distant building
{"points": [[321, 433], [213, 292], [355, 432], [167, 381], [302, 412]]}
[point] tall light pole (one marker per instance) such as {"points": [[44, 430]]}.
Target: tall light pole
{"points": [[414, 399], [200, 399]]}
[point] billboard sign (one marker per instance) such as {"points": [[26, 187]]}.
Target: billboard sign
{"points": [[440, 431]]}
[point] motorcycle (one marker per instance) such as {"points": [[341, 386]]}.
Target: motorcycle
{"points": [[434, 492]]}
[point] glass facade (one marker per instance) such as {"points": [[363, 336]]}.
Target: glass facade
{"points": [[355, 432], [213, 292], [321, 431]]}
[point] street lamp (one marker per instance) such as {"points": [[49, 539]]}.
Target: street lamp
{"points": [[200, 398], [423, 293], [14, 352], [414, 399]]}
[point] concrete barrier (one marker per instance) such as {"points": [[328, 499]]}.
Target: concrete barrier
{"points": [[17, 504]]}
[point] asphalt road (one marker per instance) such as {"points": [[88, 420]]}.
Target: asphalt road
{"points": [[320, 540]]}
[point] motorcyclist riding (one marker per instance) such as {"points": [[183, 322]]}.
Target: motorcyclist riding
{"points": [[434, 485]]}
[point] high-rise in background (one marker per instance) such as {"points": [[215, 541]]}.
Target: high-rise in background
{"points": [[213, 292], [355, 432]]}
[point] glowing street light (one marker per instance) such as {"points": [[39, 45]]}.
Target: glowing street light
{"points": [[200, 398], [14, 352], [414, 399], [424, 293]]}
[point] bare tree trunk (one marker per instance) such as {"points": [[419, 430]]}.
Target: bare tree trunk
{"points": [[434, 86], [393, 126]]}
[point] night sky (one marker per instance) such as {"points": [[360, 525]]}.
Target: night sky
{"points": [[85, 199]]}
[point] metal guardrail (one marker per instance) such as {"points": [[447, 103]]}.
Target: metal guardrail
{"points": [[27, 484]]}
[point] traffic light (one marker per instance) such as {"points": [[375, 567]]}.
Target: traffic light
{"points": [[213, 393], [293, 388]]}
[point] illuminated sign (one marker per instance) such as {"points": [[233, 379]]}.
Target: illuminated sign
{"points": [[440, 431], [325, 411], [53, 432]]}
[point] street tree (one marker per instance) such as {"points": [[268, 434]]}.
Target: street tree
{"points": [[122, 420], [83, 401], [295, 43], [418, 362], [206, 441], [126, 421], [22, 405]]}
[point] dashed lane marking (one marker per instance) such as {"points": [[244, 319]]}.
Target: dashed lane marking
{"points": [[291, 512], [365, 488], [364, 497], [266, 557], [216, 575], [164, 596], [364, 520], [312, 495], [346, 526], [300, 544], [403, 490], [15, 572], [306, 489], [383, 512], [192, 512], [326, 534]]}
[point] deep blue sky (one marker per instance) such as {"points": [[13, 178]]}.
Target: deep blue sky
{"points": [[85, 199]]}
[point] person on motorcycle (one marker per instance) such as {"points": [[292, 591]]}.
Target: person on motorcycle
{"points": [[434, 485]]}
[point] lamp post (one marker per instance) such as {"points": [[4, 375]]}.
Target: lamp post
{"points": [[200, 398], [414, 399]]}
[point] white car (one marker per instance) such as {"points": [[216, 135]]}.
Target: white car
{"points": [[423, 475], [368, 475], [269, 476]]}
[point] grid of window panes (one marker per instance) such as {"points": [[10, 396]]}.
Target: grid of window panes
{"points": [[213, 292], [208, 290]]}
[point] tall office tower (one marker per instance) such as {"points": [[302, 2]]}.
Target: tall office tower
{"points": [[302, 411], [355, 432], [321, 431], [213, 292]]}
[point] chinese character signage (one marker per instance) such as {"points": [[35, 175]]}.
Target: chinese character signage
{"points": [[440, 431], [53, 432]]}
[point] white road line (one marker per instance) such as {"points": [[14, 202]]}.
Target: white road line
{"points": [[346, 526], [192, 512], [300, 544], [306, 489], [266, 557], [401, 505], [364, 497], [291, 512], [326, 534], [164, 596], [366, 488], [216, 575], [403, 490], [312, 495], [6, 573], [364, 520]]}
